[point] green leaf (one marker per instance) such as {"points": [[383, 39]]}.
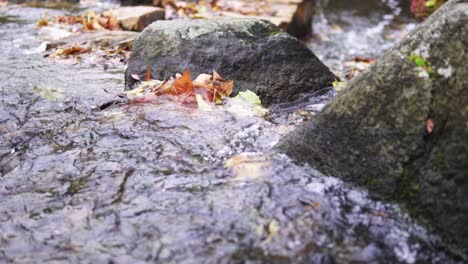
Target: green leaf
{"points": [[418, 60], [431, 3], [249, 97], [339, 86], [421, 62]]}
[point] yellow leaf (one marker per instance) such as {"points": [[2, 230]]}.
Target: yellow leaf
{"points": [[202, 105]]}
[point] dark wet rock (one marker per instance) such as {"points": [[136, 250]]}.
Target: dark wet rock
{"points": [[136, 2], [136, 18], [378, 131], [145, 183], [254, 53]]}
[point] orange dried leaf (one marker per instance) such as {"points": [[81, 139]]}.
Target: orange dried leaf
{"points": [[183, 85], [90, 25], [227, 87], [430, 125], [44, 21], [113, 22], [75, 50], [148, 73]]}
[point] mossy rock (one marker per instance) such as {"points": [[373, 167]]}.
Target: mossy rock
{"points": [[401, 128]]}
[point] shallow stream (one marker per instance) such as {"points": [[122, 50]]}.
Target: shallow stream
{"points": [[162, 182]]}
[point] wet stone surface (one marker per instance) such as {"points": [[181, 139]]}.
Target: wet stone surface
{"points": [[148, 183]]}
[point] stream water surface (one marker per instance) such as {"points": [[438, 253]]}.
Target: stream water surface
{"points": [[165, 183]]}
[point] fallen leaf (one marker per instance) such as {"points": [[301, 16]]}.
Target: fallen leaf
{"points": [[273, 228], [202, 80], [183, 84], [75, 50], [136, 91], [430, 125], [135, 77], [103, 21], [250, 97], [202, 105], [148, 73], [164, 87], [339, 86], [216, 76], [113, 22], [44, 21]]}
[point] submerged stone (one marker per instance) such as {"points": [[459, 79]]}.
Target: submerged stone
{"points": [[401, 128], [253, 53]]}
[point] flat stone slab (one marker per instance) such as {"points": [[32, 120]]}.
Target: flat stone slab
{"points": [[136, 18], [101, 38]]}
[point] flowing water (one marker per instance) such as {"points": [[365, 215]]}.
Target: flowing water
{"points": [[85, 182]]}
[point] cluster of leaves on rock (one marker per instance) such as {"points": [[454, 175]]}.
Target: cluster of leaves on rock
{"points": [[423, 8], [201, 9], [205, 88], [76, 53], [87, 21]]}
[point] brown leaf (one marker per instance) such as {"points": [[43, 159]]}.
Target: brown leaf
{"points": [[183, 85], [75, 50], [113, 22], [148, 73], [227, 87], [216, 76], [103, 21], [44, 21]]}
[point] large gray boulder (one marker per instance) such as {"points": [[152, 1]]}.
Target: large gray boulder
{"points": [[254, 53], [401, 128]]}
